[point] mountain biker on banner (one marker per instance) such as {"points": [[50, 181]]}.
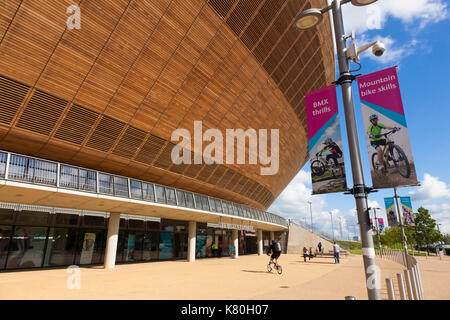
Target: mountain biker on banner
{"points": [[333, 148], [275, 248], [376, 140]]}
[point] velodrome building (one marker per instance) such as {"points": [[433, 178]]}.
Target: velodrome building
{"points": [[87, 114]]}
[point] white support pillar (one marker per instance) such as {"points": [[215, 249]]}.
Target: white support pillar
{"points": [[260, 242], [272, 236], [235, 236], [111, 241], [192, 241]]}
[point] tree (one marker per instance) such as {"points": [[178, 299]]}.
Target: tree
{"points": [[425, 232]]}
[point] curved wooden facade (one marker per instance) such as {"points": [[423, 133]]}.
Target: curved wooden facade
{"points": [[109, 95]]}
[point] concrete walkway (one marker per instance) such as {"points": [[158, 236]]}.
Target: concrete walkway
{"points": [[220, 278]]}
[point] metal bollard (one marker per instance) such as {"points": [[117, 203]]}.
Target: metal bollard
{"points": [[414, 284], [390, 288], [419, 281], [408, 284], [420, 278], [350, 298], [401, 286]]}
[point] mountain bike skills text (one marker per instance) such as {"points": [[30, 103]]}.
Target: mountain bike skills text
{"points": [[231, 309], [386, 84]]}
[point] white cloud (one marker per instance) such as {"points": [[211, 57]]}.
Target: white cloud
{"points": [[441, 213], [431, 188], [293, 201], [416, 14]]}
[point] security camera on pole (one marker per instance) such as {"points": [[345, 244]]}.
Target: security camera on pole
{"points": [[308, 19]]}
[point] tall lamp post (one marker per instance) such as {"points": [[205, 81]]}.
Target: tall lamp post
{"points": [[310, 210], [308, 19], [340, 227], [332, 228], [378, 228]]}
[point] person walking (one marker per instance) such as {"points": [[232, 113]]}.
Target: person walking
{"points": [[320, 246], [336, 252]]}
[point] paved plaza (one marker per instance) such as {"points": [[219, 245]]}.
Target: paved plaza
{"points": [[221, 278]]}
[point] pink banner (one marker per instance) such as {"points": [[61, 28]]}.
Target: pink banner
{"points": [[325, 142], [387, 137]]}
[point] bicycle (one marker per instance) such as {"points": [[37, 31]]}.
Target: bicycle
{"points": [[319, 166], [392, 153], [276, 266]]}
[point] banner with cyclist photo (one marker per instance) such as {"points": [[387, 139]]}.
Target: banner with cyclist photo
{"points": [[391, 212], [387, 138], [407, 212], [325, 142]]}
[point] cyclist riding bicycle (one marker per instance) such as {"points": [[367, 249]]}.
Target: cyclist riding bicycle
{"points": [[275, 248], [335, 151], [376, 140]]}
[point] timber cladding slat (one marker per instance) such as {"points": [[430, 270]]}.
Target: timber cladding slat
{"points": [[110, 94]]}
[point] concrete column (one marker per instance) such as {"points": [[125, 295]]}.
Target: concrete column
{"points": [[260, 242], [111, 241], [192, 241], [235, 236], [272, 236]]}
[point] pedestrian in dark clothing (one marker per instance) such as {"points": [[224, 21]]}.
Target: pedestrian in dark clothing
{"points": [[320, 246]]}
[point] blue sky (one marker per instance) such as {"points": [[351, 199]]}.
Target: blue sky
{"points": [[416, 34]]}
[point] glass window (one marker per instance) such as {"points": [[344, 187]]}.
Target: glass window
{"points": [[123, 223], [153, 225], [120, 187], [21, 168], [68, 177], [151, 246], [189, 200], [5, 236], [27, 247], [87, 180], [105, 183], [180, 197], [33, 218], [198, 201], [133, 250], [121, 245], [180, 244], [205, 203], [166, 245], [45, 172], [61, 247], [136, 224], [91, 246], [218, 205], [66, 219], [3, 158], [94, 221], [6, 216], [212, 204], [136, 189], [160, 194], [148, 192], [170, 193]]}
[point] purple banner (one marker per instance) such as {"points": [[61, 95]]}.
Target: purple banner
{"points": [[387, 137], [325, 141]]}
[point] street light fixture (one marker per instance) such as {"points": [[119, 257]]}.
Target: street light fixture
{"points": [[308, 19], [361, 3], [310, 210]]}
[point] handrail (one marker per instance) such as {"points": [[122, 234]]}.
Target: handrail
{"points": [[17, 167], [413, 276]]}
